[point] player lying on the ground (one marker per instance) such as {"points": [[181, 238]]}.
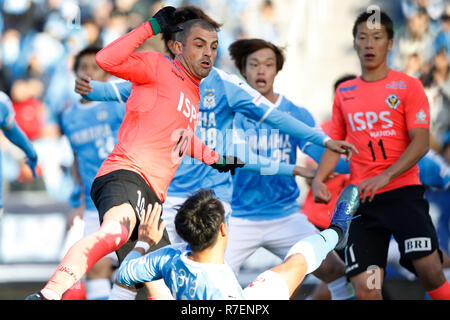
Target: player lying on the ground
{"points": [[197, 271]]}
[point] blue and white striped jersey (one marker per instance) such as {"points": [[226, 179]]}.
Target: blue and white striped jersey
{"points": [[186, 279]]}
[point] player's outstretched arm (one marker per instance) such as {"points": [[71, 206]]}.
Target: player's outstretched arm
{"points": [[16, 136], [316, 152], [102, 91], [242, 98], [326, 167]]}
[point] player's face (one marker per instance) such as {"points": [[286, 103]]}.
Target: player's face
{"points": [[200, 51], [372, 46], [89, 67], [261, 70]]}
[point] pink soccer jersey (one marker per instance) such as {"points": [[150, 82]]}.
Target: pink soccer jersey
{"points": [[375, 117], [161, 112]]}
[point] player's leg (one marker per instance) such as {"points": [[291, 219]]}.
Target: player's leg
{"points": [[307, 254], [286, 231], [113, 233], [116, 196], [429, 270], [364, 239], [244, 238], [418, 243], [98, 278], [98, 283]]}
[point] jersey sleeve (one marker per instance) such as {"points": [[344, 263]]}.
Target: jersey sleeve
{"points": [[136, 268], [200, 151], [338, 129], [6, 112], [244, 99], [109, 91], [253, 161], [118, 58], [417, 108]]}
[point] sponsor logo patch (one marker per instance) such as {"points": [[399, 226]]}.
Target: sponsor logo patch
{"points": [[417, 244]]}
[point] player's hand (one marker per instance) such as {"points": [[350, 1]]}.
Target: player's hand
{"points": [[305, 172], [150, 230], [320, 192], [369, 186], [82, 85], [341, 147], [168, 20], [32, 163], [228, 163]]}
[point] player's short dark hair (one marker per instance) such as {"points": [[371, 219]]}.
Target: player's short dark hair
{"points": [[86, 51], [385, 20], [342, 79], [189, 12], [187, 26], [199, 218], [241, 49]]}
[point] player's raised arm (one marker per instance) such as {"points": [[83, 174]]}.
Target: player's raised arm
{"points": [[200, 151], [118, 58], [102, 91], [246, 100]]}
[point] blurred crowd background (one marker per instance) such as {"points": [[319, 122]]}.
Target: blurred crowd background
{"points": [[39, 39]]}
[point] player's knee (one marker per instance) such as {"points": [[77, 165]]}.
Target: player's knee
{"points": [[331, 269], [431, 277], [365, 292], [429, 270], [113, 234]]}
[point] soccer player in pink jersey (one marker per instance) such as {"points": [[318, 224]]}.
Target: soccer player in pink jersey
{"points": [[385, 114], [157, 130]]}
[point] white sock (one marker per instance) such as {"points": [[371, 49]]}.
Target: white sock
{"points": [[121, 293], [315, 248], [341, 289], [98, 289]]}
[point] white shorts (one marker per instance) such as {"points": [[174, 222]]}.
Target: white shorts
{"points": [[170, 208], [276, 235], [91, 225]]}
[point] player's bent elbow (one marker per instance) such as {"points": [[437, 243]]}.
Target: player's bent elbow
{"points": [[102, 61]]}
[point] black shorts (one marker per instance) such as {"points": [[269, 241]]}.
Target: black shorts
{"points": [[401, 213], [122, 186]]}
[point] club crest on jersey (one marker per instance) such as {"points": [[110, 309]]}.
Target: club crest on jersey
{"points": [[209, 101], [392, 101]]}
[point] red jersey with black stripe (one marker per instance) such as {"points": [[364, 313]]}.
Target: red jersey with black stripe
{"points": [[161, 112], [376, 117]]}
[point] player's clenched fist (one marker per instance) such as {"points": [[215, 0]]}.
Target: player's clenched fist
{"points": [[166, 20]]}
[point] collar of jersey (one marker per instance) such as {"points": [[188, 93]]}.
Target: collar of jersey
{"points": [[181, 68], [199, 264]]}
